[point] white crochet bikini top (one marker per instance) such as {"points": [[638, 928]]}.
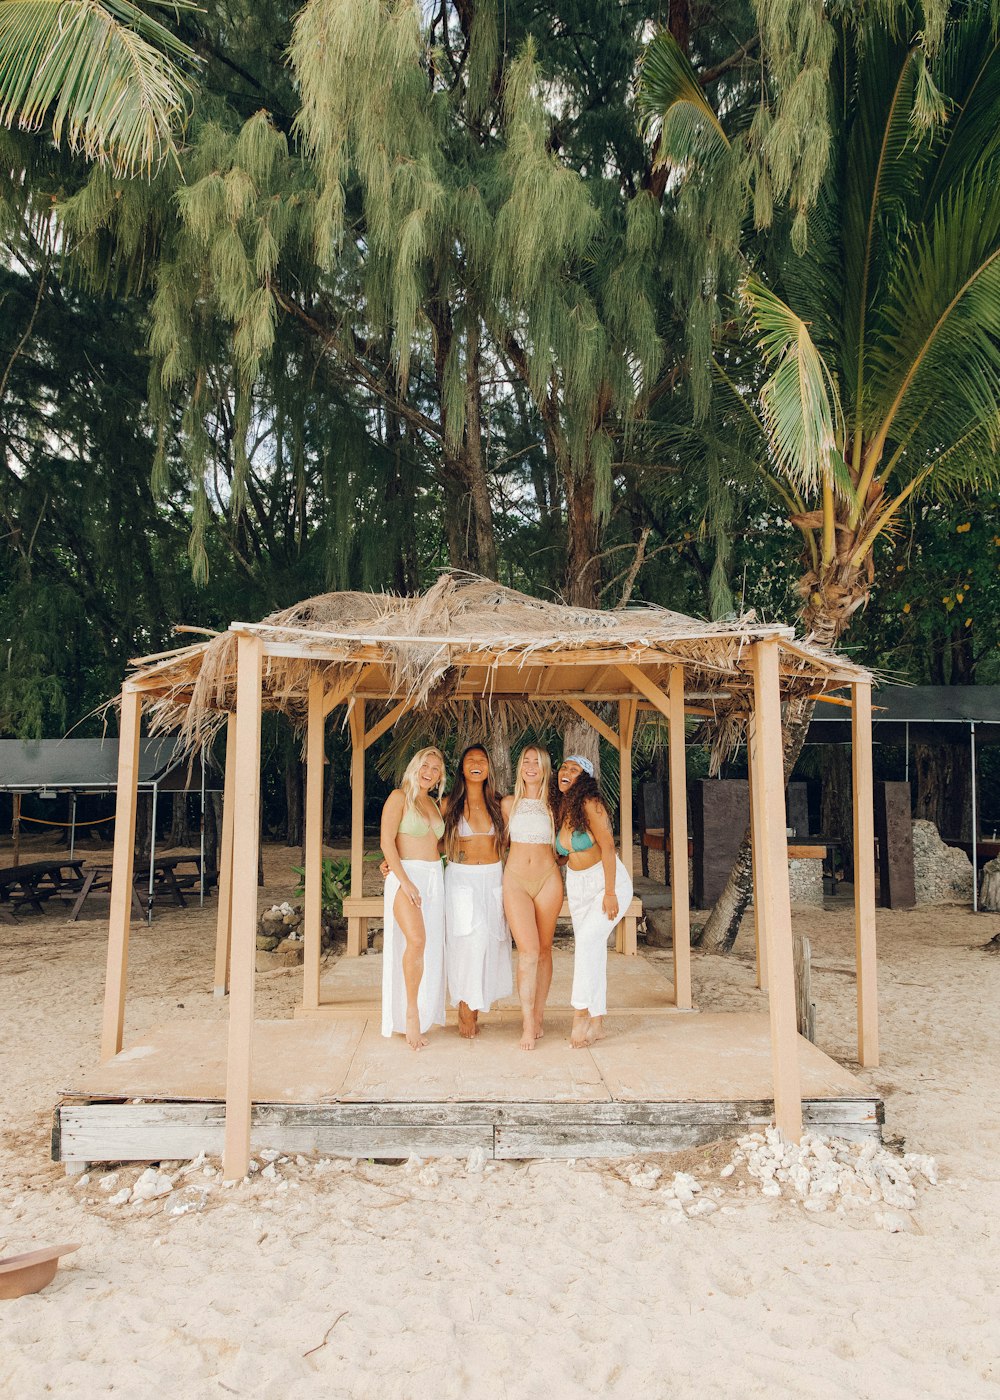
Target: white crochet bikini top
{"points": [[530, 823], [465, 830]]}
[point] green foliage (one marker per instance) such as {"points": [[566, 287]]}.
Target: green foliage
{"points": [[336, 882]]}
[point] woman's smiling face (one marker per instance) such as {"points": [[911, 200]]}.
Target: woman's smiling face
{"points": [[430, 773], [568, 774], [475, 766], [531, 768]]}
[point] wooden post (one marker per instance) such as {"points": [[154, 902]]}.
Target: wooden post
{"points": [[864, 872], [119, 920], [766, 758], [313, 844], [246, 850], [680, 899], [757, 860], [357, 926], [224, 916], [625, 938]]}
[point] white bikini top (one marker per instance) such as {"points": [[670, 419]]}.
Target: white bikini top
{"points": [[530, 824], [465, 830]]}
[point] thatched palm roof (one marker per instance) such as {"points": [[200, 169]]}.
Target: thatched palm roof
{"points": [[469, 642]]}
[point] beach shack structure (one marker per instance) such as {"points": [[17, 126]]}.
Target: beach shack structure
{"points": [[456, 657]]}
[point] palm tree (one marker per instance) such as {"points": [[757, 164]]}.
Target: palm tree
{"points": [[879, 345], [103, 78]]}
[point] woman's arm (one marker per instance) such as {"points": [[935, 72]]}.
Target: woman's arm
{"points": [[392, 815], [599, 826]]}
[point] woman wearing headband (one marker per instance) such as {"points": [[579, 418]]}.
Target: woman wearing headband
{"points": [[477, 945], [532, 889], [598, 888], [413, 968]]}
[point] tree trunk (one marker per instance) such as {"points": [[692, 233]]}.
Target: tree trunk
{"points": [[329, 794], [723, 924], [837, 814], [293, 795], [583, 568], [180, 833], [943, 788]]}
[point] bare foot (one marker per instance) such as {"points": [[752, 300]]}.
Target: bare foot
{"points": [[468, 1021], [539, 1028], [596, 1031], [414, 1039], [579, 1037], [528, 1036]]}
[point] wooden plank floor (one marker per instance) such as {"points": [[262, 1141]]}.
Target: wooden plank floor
{"points": [[334, 1085]]}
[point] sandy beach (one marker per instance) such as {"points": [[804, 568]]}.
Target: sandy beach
{"points": [[333, 1278]]}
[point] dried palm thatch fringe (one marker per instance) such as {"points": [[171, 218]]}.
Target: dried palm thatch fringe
{"points": [[422, 649]]}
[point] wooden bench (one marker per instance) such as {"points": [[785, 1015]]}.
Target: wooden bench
{"points": [[39, 880], [358, 909]]}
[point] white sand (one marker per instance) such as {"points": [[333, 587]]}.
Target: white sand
{"points": [[544, 1279]]}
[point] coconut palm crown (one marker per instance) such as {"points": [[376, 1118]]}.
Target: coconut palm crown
{"points": [[879, 343]]}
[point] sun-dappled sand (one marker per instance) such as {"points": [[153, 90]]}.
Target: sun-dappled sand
{"points": [[464, 1278]]}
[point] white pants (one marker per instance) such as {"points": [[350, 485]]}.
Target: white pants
{"points": [[477, 939], [591, 929], [428, 877]]}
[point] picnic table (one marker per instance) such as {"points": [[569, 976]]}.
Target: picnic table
{"points": [[172, 875], [39, 880]]}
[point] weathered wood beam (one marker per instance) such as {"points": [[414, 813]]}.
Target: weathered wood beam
{"points": [[680, 897], [313, 920], [357, 927], [224, 915], [119, 919], [246, 838], [594, 720], [864, 873], [387, 721]]}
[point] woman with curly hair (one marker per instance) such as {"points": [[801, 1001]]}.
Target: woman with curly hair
{"points": [[598, 888], [477, 942]]}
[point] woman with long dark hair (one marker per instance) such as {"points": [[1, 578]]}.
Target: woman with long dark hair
{"points": [[477, 940], [598, 888]]}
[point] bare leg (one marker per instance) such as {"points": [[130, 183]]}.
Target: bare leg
{"points": [[468, 1021], [548, 902], [411, 921], [596, 1031], [521, 917], [579, 1036]]}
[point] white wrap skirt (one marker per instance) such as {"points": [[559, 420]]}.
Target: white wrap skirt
{"points": [[591, 929], [428, 877], [477, 939]]}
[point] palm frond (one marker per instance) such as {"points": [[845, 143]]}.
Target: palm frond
{"points": [[672, 103], [800, 407], [103, 77]]}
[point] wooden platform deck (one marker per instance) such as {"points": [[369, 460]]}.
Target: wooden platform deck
{"points": [[660, 1081]]}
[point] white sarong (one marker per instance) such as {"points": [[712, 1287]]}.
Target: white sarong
{"points": [[591, 928], [428, 877], [477, 939]]}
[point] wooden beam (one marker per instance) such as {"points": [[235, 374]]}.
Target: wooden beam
{"points": [[642, 683], [680, 898], [864, 873], [340, 693], [387, 721], [119, 919], [357, 928], [625, 939], [594, 720], [766, 755], [224, 916], [312, 923], [246, 838], [757, 860]]}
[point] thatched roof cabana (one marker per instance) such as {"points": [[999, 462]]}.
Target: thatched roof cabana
{"points": [[456, 656], [469, 642]]}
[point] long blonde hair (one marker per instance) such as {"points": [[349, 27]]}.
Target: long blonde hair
{"points": [[545, 764], [410, 782]]}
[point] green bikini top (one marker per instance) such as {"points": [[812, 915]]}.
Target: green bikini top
{"points": [[580, 841], [413, 824]]}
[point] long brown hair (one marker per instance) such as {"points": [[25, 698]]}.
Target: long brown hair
{"points": [[457, 799], [569, 809]]}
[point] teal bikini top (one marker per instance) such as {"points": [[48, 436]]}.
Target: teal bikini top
{"points": [[580, 841]]}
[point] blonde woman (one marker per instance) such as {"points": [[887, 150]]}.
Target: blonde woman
{"points": [[477, 945], [413, 967], [532, 886]]}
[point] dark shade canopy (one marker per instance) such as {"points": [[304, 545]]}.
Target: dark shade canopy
{"points": [[91, 765], [933, 714]]}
